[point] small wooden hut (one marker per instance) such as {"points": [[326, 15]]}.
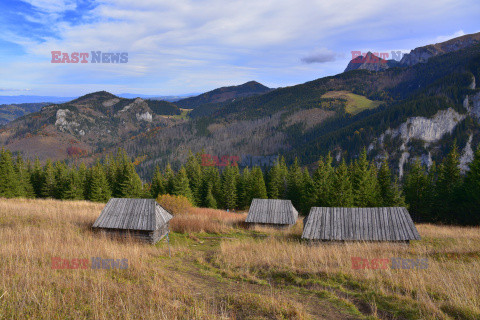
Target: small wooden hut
{"points": [[360, 224], [143, 219], [272, 212]]}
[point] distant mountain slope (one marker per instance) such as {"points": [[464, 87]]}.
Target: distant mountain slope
{"points": [[422, 54], [417, 55], [413, 112], [370, 62], [408, 113], [224, 94], [87, 124], [10, 112]]}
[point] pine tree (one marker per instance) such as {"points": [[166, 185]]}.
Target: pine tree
{"points": [[323, 180], [181, 185], [342, 195]]}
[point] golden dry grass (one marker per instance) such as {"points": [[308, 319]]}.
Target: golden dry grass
{"points": [[285, 278], [451, 282], [34, 231], [207, 220]]}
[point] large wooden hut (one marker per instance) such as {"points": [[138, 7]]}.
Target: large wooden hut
{"points": [[360, 224], [144, 219], [272, 212]]}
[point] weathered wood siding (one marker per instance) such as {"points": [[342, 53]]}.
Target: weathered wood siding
{"points": [[144, 219], [272, 212], [143, 235], [368, 224]]}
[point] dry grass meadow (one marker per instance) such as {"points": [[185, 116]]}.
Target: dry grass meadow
{"points": [[218, 269]]}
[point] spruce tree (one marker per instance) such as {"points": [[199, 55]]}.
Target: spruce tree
{"points": [[244, 189], [257, 185], [229, 188], [323, 180], [194, 173], [73, 186], [61, 177], [158, 184], [10, 185], [448, 187], [130, 183], [309, 192], [97, 188], [472, 192], [295, 185], [342, 195], [48, 180], [274, 184], [389, 191], [169, 179], [364, 181], [36, 178], [283, 173], [181, 185], [210, 201], [26, 188]]}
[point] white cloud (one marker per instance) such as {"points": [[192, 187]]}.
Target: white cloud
{"points": [[190, 45], [457, 34]]}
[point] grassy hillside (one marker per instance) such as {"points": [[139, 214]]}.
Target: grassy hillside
{"points": [[354, 103], [219, 269]]}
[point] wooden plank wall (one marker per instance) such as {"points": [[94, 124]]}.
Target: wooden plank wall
{"points": [[272, 211], [369, 224]]}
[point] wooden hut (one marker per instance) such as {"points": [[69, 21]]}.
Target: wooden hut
{"points": [[359, 224], [272, 212], [144, 219]]}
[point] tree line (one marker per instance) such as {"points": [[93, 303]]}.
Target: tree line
{"points": [[435, 194]]}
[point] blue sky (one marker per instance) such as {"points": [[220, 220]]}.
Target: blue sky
{"points": [[184, 46]]}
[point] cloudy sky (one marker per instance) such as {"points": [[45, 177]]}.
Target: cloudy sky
{"points": [[185, 46]]}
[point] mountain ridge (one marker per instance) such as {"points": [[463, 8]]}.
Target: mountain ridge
{"points": [[224, 94]]}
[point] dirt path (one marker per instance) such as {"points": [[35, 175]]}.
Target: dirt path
{"points": [[210, 284]]}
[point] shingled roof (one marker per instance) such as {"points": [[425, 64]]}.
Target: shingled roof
{"points": [[368, 224], [132, 214], [272, 211]]}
